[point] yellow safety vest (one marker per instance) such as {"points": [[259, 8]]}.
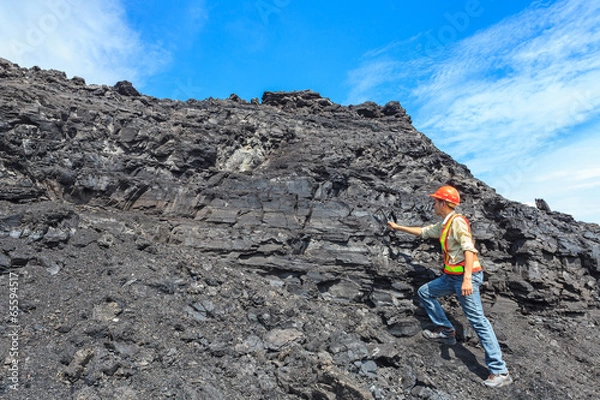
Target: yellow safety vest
{"points": [[455, 269]]}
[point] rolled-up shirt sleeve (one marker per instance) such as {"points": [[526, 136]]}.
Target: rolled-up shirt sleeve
{"points": [[432, 231]]}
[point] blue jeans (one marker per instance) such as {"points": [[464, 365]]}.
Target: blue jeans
{"points": [[473, 309]]}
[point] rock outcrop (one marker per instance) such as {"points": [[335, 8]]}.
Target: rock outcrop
{"points": [[224, 249]]}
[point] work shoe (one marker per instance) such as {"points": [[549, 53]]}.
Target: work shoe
{"points": [[496, 381], [441, 334]]}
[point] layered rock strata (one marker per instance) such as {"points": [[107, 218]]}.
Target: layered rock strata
{"points": [[231, 249]]}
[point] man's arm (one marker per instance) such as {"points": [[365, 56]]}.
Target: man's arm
{"points": [[467, 284], [413, 230]]}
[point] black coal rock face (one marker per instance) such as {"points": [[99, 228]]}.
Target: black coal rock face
{"points": [[224, 249]]}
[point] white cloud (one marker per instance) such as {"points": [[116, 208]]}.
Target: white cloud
{"points": [[504, 99], [89, 39], [567, 177], [369, 78]]}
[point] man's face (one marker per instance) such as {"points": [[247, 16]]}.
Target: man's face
{"points": [[437, 206]]}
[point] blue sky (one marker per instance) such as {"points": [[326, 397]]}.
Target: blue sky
{"points": [[509, 88]]}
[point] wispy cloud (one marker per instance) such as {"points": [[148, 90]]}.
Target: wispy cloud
{"points": [[518, 90], [89, 39], [569, 177]]}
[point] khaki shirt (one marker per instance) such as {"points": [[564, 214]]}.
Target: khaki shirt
{"points": [[459, 238]]}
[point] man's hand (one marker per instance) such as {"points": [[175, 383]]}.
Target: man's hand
{"points": [[467, 287], [393, 226]]}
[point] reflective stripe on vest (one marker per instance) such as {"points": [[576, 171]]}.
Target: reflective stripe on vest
{"points": [[455, 269]]}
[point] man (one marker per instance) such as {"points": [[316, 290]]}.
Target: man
{"points": [[462, 276]]}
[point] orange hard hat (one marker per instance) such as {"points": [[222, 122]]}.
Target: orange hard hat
{"points": [[447, 193]]}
